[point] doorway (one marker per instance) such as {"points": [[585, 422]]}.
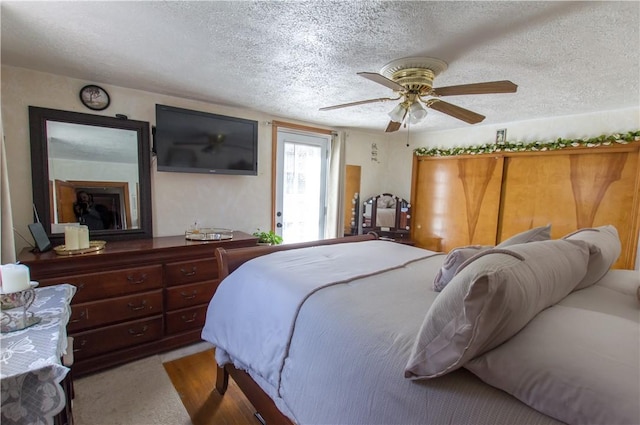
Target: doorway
{"points": [[302, 159]]}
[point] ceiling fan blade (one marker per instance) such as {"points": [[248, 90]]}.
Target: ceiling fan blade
{"points": [[381, 79], [455, 111], [477, 88], [361, 102], [393, 126]]}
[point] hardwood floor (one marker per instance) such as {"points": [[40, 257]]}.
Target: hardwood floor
{"points": [[194, 379]]}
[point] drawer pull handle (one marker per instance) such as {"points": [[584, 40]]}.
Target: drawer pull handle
{"points": [[191, 273], [186, 319], [133, 280], [187, 296], [79, 345], [81, 317], [135, 333], [138, 307]]}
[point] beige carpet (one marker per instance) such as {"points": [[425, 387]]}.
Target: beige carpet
{"points": [[137, 393]]}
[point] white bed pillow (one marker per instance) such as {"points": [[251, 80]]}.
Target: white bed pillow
{"points": [[490, 299], [604, 250], [453, 260], [542, 233], [575, 365]]}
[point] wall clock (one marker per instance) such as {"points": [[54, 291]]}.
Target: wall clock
{"points": [[94, 97]]}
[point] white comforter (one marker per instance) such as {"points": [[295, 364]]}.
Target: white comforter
{"points": [[253, 318]]}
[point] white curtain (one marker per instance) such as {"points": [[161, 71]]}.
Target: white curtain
{"points": [[335, 194], [7, 247]]}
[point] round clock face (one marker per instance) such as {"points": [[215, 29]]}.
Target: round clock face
{"points": [[94, 97]]}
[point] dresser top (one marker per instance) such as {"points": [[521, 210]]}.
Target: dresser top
{"points": [[131, 252]]}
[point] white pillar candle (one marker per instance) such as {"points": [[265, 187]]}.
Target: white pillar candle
{"points": [[71, 237], [15, 278], [83, 237]]}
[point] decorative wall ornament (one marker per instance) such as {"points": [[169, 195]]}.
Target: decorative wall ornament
{"points": [[374, 152], [536, 146], [94, 97]]}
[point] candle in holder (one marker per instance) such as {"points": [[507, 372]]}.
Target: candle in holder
{"points": [[83, 237], [71, 238], [15, 278]]}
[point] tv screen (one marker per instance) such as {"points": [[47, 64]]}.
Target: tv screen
{"points": [[199, 142]]}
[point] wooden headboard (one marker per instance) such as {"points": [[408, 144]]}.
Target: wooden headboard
{"points": [[231, 259], [485, 199]]}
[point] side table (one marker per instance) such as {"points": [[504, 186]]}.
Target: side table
{"points": [[31, 371]]}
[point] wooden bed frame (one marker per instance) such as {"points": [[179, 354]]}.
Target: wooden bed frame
{"points": [[228, 261]]}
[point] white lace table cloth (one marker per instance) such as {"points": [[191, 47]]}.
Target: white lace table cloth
{"points": [[30, 361]]}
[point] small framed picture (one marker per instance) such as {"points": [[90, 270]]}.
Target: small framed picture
{"points": [[94, 97], [501, 136]]}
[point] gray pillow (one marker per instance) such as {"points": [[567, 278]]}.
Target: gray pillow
{"points": [[454, 259], [576, 365], [462, 255], [490, 299], [604, 250], [542, 233]]}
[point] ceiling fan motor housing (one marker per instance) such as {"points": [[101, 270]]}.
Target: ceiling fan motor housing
{"points": [[415, 80], [415, 74]]}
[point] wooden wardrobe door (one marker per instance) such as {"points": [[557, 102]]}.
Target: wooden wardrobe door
{"points": [[572, 191], [455, 199]]}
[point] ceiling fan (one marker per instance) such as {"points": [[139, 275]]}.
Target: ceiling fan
{"points": [[412, 80]]}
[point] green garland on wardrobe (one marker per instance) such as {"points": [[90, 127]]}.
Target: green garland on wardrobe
{"points": [[560, 143]]}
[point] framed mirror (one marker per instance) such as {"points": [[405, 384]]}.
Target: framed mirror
{"points": [[92, 170]]}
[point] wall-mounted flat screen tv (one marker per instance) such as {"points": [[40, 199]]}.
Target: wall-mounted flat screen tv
{"points": [[199, 142]]}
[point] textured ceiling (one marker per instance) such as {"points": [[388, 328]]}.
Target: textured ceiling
{"points": [[288, 59]]}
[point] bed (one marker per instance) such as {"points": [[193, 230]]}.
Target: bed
{"points": [[532, 331]]}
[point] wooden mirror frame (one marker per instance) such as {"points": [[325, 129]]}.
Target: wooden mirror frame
{"points": [[38, 118]]}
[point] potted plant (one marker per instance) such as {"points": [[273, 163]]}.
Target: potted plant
{"points": [[267, 238]]}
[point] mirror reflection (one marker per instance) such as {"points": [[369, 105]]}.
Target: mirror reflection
{"points": [[96, 187], [92, 170]]}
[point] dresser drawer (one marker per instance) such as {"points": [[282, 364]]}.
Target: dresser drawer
{"points": [[94, 286], [186, 319], [113, 310], [114, 337], [190, 295], [191, 271]]}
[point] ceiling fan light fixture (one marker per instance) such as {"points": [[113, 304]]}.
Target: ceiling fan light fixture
{"points": [[397, 113], [417, 112]]}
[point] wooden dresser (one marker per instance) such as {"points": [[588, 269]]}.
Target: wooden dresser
{"points": [[134, 298]]}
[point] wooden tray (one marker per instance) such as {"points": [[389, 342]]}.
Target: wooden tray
{"points": [[208, 234]]}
